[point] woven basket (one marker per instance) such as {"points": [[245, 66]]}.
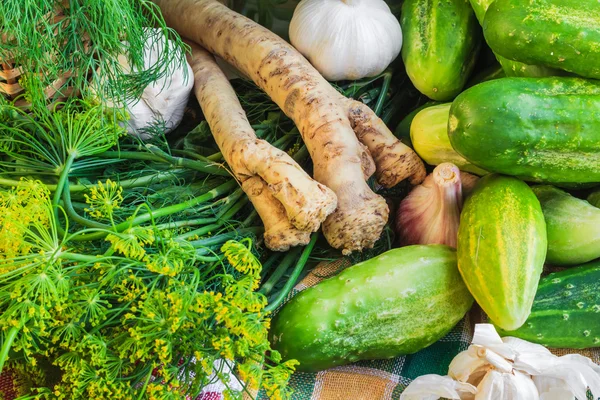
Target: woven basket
{"points": [[10, 73]]}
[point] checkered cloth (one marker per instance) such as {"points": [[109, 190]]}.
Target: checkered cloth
{"points": [[367, 380]]}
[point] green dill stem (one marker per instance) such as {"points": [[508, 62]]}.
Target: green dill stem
{"points": [[64, 175], [8, 341], [188, 222], [79, 257], [190, 164], [385, 88], [268, 265], [125, 184], [163, 212], [143, 389], [294, 276], [73, 214], [287, 261], [249, 219], [203, 244], [229, 210], [301, 154], [160, 156]]}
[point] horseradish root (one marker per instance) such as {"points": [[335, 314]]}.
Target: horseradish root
{"points": [[323, 116], [306, 202], [279, 234]]}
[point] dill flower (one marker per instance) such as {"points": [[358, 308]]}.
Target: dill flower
{"points": [[104, 199]]}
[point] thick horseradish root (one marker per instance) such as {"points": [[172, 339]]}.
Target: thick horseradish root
{"points": [[290, 203], [326, 120]]}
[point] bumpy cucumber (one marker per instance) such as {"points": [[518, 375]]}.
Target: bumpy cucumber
{"points": [[566, 310], [510, 67], [429, 136], [562, 34], [440, 45], [396, 303], [540, 129], [502, 247], [573, 227]]}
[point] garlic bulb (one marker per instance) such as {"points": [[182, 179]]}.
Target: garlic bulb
{"points": [[508, 369], [162, 101], [346, 39], [430, 214]]}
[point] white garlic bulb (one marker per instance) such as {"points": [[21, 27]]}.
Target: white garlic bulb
{"points": [[508, 368], [346, 39]]}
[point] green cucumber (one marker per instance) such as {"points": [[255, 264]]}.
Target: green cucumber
{"points": [[562, 34], [397, 303], [501, 248], [594, 199], [510, 67], [493, 72], [566, 310], [441, 39], [429, 137], [539, 129], [573, 227]]}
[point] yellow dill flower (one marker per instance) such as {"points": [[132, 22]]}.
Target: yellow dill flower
{"points": [[239, 255], [131, 242], [104, 199]]}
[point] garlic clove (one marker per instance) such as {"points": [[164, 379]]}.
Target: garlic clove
{"points": [[466, 363], [506, 386], [523, 346], [577, 371], [552, 388], [485, 335], [430, 214], [433, 387]]}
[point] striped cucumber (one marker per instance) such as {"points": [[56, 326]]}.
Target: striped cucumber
{"points": [[396, 303], [566, 310], [539, 129], [510, 67], [573, 227], [502, 247], [441, 42], [562, 34]]}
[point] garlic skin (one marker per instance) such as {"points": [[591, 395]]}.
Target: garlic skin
{"points": [[430, 214], [510, 369], [346, 39]]}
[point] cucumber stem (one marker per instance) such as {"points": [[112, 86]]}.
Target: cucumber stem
{"points": [[289, 285]]}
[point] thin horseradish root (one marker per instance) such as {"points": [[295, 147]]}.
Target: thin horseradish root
{"points": [[330, 125], [290, 203]]}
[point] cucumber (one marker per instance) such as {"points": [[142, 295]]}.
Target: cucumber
{"points": [[562, 34], [397, 303], [501, 248], [510, 67], [402, 131], [573, 227], [539, 129], [441, 39], [594, 199], [429, 137], [566, 310], [493, 72]]}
